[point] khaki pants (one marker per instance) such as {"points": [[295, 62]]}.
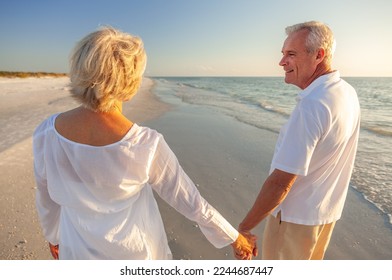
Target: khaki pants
{"points": [[288, 241]]}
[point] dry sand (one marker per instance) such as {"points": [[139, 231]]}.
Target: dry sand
{"points": [[228, 161]]}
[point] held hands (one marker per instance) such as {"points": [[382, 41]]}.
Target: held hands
{"points": [[245, 246]]}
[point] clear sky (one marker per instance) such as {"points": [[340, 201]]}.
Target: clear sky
{"points": [[196, 37]]}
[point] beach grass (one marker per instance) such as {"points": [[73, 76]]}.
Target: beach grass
{"points": [[10, 74]]}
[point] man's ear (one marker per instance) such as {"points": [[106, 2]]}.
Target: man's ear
{"points": [[320, 55]]}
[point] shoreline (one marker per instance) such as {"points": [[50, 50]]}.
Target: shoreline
{"points": [[228, 161], [378, 207]]}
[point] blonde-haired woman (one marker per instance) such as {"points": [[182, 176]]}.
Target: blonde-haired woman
{"points": [[95, 170]]}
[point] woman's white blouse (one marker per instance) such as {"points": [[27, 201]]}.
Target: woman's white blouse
{"points": [[97, 202]]}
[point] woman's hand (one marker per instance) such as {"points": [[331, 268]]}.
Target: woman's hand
{"points": [[245, 246], [54, 250]]}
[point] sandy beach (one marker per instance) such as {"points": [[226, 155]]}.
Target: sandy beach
{"points": [[228, 160]]}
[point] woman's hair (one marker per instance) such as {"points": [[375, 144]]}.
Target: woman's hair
{"points": [[106, 66], [319, 36]]}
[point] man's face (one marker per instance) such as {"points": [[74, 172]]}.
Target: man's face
{"points": [[299, 65]]}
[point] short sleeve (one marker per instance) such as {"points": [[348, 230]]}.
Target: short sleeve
{"points": [[300, 137]]}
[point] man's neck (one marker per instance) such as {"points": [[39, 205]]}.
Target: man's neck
{"points": [[320, 71]]}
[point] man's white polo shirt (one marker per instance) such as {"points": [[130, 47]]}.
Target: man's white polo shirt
{"points": [[319, 144]]}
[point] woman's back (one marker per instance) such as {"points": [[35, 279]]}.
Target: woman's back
{"points": [[106, 202], [96, 129]]}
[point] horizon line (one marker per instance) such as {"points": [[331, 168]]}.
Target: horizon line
{"points": [[185, 76]]}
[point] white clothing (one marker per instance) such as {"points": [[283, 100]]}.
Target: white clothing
{"points": [[319, 144], [97, 202]]}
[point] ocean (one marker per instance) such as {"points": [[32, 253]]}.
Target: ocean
{"points": [[266, 103]]}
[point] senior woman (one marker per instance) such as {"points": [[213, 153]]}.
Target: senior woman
{"points": [[96, 170]]}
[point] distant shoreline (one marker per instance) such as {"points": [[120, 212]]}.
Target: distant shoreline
{"points": [[9, 74]]}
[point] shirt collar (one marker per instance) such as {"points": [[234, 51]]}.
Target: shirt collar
{"points": [[330, 77]]}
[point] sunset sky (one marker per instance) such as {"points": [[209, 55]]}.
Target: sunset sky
{"points": [[196, 37]]}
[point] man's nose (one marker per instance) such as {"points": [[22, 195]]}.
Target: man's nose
{"points": [[282, 62]]}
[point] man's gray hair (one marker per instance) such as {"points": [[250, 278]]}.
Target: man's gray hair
{"points": [[320, 36]]}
